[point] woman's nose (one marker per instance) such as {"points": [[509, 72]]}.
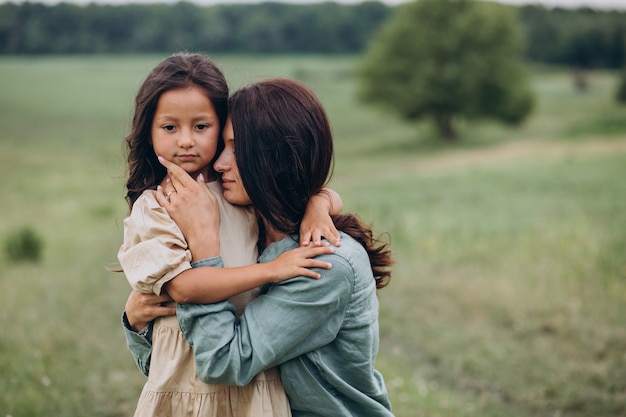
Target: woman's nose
{"points": [[219, 164], [225, 161]]}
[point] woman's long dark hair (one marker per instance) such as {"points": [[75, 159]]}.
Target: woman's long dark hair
{"points": [[284, 142], [177, 71]]}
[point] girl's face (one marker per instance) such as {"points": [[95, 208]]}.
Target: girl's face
{"points": [[185, 129], [234, 191]]}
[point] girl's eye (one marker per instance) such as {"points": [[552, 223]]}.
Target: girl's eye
{"points": [[169, 128], [202, 127]]}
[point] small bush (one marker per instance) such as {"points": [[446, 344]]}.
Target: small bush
{"points": [[23, 245]]}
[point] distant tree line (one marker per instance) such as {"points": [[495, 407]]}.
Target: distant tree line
{"points": [[581, 37], [584, 38], [32, 28]]}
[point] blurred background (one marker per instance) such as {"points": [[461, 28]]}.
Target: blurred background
{"points": [[488, 139]]}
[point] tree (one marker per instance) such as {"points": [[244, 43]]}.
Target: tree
{"points": [[447, 59]]}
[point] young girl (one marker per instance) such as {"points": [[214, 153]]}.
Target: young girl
{"points": [[180, 111]]}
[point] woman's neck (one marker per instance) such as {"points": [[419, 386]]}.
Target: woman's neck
{"points": [[271, 234]]}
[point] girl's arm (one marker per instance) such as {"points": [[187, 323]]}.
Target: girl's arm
{"points": [[317, 220], [205, 285]]}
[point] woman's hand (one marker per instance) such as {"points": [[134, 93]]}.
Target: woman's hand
{"points": [[297, 262], [193, 207], [142, 308]]}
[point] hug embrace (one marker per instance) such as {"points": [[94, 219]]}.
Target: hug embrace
{"points": [[240, 307]]}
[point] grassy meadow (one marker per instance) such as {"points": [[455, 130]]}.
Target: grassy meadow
{"points": [[509, 291]]}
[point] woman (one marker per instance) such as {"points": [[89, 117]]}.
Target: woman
{"points": [[323, 333]]}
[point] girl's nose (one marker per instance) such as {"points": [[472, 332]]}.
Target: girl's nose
{"points": [[185, 139]]}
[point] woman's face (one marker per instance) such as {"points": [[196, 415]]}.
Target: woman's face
{"points": [[234, 191]]}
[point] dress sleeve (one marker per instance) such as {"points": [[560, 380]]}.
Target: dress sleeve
{"points": [[154, 249], [294, 317], [140, 343]]}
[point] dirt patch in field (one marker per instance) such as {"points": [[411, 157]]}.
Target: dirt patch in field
{"points": [[516, 151]]}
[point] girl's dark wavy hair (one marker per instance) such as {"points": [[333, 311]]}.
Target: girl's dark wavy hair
{"points": [[283, 136], [180, 70]]}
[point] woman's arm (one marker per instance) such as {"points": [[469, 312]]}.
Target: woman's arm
{"points": [[142, 308], [293, 318], [140, 311]]}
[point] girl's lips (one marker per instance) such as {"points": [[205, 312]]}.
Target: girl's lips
{"points": [[186, 158]]}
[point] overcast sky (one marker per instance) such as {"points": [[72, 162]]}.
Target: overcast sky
{"points": [[599, 4]]}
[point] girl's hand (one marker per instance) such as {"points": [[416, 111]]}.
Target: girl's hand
{"points": [[142, 308], [193, 207], [317, 221], [297, 262]]}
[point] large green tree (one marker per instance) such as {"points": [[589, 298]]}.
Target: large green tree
{"points": [[448, 59]]}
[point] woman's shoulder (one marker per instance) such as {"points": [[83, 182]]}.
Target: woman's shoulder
{"points": [[349, 252], [349, 246], [353, 260]]}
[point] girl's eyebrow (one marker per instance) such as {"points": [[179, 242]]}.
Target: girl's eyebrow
{"points": [[199, 116]]}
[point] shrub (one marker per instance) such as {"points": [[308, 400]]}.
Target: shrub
{"points": [[24, 245]]}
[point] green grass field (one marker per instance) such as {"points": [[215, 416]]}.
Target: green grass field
{"points": [[509, 293]]}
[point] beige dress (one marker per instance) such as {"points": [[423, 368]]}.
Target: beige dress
{"points": [[154, 251]]}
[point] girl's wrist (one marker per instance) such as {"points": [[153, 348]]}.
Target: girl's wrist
{"points": [[269, 273], [321, 200]]}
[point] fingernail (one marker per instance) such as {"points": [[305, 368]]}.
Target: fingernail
{"points": [[200, 177], [161, 159]]}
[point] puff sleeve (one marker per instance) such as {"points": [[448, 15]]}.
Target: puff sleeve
{"points": [[154, 249]]}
